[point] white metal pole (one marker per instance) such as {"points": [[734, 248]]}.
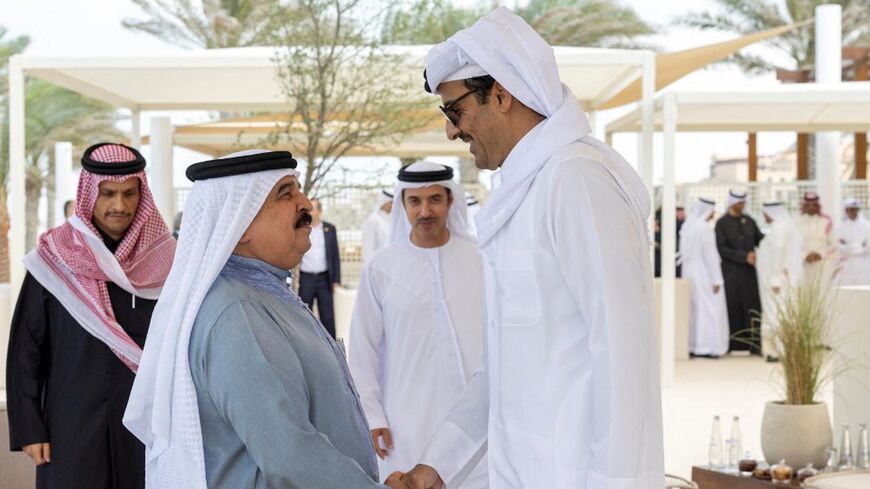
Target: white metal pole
{"points": [[64, 183], [668, 250], [136, 129], [17, 216], [829, 62], [160, 174], [645, 141]]}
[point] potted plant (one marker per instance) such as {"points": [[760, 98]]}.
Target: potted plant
{"points": [[798, 428]]}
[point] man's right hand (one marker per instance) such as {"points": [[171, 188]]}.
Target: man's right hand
{"points": [[750, 258], [423, 477], [39, 452], [388, 441]]}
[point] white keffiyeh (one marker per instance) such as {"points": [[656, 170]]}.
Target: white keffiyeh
{"points": [[504, 46], [457, 218]]}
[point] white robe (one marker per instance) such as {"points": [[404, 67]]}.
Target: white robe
{"points": [[570, 397], [708, 315], [854, 241], [814, 235], [375, 233], [415, 340], [779, 265]]}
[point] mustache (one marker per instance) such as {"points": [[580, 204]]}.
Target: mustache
{"points": [[304, 219], [118, 214], [426, 220], [465, 137]]}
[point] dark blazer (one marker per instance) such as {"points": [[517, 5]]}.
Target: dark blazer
{"points": [[333, 260]]}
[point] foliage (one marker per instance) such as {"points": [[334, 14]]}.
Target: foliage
{"points": [[802, 335], [591, 23], [206, 23], [8, 48], [598, 23], [344, 91]]}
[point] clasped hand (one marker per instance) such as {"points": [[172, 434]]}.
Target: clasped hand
{"points": [[420, 477]]}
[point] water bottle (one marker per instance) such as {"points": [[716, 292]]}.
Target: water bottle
{"points": [[863, 448], [736, 447], [831, 465], [715, 453], [846, 460]]}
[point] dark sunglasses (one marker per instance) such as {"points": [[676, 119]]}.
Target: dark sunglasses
{"points": [[450, 113]]}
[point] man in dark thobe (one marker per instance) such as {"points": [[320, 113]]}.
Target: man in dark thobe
{"points": [[80, 324], [737, 236]]}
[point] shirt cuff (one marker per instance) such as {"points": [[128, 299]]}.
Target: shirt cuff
{"points": [[376, 419], [449, 451]]}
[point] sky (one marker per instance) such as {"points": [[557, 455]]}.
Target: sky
{"points": [[93, 27]]}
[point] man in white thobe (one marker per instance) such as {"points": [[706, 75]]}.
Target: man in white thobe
{"points": [[853, 235], [779, 266], [376, 227], [416, 334], [815, 231], [702, 266], [569, 396]]}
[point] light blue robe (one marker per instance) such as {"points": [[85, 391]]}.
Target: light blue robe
{"points": [[277, 405]]}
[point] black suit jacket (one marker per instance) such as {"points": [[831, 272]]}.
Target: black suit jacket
{"points": [[333, 260]]}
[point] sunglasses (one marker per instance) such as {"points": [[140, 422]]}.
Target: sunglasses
{"points": [[450, 112]]}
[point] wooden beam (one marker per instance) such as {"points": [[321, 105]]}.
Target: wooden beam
{"points": [[793, 76], [861, 156], [803, 156], [753, 157], [862, 67]]}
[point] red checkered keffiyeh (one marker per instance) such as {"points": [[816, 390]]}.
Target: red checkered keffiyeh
{"points": [[145, 255]]}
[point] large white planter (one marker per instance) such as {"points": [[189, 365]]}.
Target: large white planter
{"points": [[796, 434]]}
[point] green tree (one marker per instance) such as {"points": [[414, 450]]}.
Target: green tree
{"points": [[8, 48], [750, 16], [591, 23], [334, 77], [207, 23], [426, 21]]}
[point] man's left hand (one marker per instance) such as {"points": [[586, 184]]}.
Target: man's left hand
{"points": [[332, 288]]}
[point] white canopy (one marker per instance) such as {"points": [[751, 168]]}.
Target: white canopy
{"points": [[244, 79], [799, 107]]}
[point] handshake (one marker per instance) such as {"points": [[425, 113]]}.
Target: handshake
{"points": [[420, 477]]}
